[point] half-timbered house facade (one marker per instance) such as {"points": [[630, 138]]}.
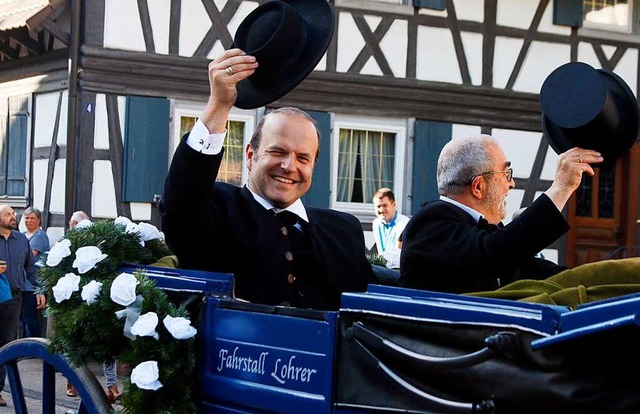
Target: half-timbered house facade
{"points": [[95, 95]]}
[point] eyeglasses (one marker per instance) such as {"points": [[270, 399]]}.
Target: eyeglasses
{"points": [[508, 172]]}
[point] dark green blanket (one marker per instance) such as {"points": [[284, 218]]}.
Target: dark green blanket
{"points": [[585, 283]]}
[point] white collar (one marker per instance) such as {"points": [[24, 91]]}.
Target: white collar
{"points": [[474, 213], [296, 208]]}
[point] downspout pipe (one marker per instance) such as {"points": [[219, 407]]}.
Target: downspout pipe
{"points": [[70, 200]]}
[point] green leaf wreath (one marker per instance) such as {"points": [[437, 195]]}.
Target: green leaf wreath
{"points": [[86, 327]]}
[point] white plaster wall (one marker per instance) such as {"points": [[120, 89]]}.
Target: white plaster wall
{"points": [[46, 107], [471, 10], [461, 131], [520, 147], [514, 200], [542, 59], [194, 25], [58, 187], [472, 43], [103, 203], [140, 211], [504, 58], [516, 14], [550, 164], [39, 179], [122, 28], [101, 129], [159, 13], [350, 42], [394, 46], [436, 57]]}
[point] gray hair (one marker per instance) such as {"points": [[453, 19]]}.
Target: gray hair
{"points": [[78, 216], [462, 159], [35, 211]]}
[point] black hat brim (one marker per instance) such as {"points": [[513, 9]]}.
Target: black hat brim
{"points": [[320, 19]]}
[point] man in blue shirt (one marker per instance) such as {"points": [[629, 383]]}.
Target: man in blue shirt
{"points": [[20, 266]]}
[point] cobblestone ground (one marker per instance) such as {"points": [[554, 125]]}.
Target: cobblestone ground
{"points": [[31, 376]]}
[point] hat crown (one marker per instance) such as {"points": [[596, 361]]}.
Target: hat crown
{"points": [[573, 95], [275, 36]]}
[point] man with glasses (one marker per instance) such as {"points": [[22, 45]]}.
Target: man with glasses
{"points": [[458, 244]]}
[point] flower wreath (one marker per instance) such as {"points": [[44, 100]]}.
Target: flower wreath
{"points": [[100, 314]]}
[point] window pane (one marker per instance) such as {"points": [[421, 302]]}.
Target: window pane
{"points": [[613, 13], [186, 124], [231, 167], [365, 163]]}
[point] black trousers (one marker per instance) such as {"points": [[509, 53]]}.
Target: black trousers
{"points": [[10, 317]]}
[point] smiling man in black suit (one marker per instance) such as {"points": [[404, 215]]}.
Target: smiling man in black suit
{"points": [[305, 260]]}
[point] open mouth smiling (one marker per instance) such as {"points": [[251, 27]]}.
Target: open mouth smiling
{"points": [[282, 179]]}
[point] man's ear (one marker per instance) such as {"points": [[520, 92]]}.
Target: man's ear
{"points": [[477, 187], [249, 154]]}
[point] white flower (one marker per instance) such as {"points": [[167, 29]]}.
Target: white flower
{"points": [[122, 221], [84, 224], [146, 325], [132, 228], [148, 231], [66, 285], [146, 375], [179, 328], [59, 251], [91, 291], [123, 289], [86, 258]]}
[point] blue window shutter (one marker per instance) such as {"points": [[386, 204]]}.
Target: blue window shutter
{"points": [[431, 4], [146, 148], [17, 146], [319, 193], [568, 12], [428, 139]]}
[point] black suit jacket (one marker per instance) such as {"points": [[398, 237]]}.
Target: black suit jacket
{"points": [[444, 249], [220, 227]]}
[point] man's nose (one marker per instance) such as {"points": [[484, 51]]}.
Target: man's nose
{"points": [[287, 162], [512, 184]]}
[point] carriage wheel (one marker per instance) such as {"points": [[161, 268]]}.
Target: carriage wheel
{"points": [[93, 398]]}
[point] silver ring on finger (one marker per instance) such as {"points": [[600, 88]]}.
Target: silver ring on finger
{"points": [[579, 157], [230, 70]]}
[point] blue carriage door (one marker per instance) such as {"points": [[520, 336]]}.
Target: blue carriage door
{"points": [[319, 194], [428, 139], [146, 148], [14, 117]]}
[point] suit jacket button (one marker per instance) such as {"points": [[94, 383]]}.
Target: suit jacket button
{"points": [[284, 231], [291, 278], [288, 256]]}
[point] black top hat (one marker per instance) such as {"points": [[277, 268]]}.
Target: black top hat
{"points": [[588, 108], [288, 39]]}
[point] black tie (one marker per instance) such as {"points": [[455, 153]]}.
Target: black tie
{"points": [[289, 219], [484, 225]]}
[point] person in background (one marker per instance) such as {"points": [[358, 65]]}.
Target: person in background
{"points": [[388, 227], [76, 218], [109, 368], [32, 321], [457, 244], [19, 265]]}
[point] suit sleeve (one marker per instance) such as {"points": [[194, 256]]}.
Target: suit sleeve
{"points": [[187, 208]]}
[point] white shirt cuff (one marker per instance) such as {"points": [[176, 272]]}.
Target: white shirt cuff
{"points": [[202, 141]]}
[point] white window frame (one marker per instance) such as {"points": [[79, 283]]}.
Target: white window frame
{"points": [[390, 125], [613, 28], [190, 109]]}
